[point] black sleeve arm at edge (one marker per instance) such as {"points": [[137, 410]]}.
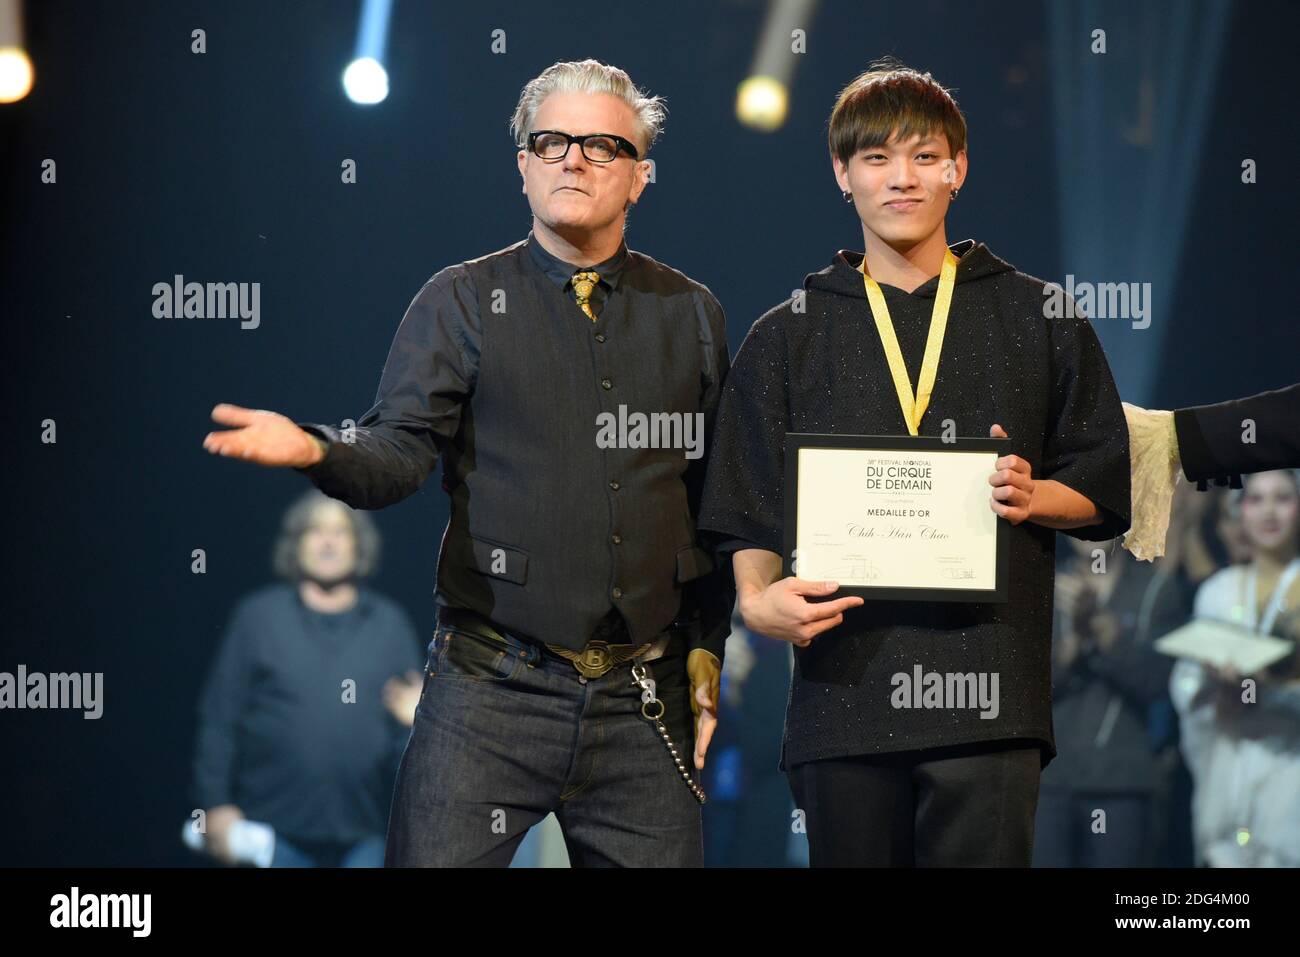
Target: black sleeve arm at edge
{"points": [[1210, 437]]}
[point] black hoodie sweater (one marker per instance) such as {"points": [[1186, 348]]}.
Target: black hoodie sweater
{"points": [[815, 364]]}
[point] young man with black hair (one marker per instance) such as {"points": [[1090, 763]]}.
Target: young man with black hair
{"points": [[879, 784]]}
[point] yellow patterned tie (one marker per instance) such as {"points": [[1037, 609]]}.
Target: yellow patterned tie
{"points": [[583, 285]]}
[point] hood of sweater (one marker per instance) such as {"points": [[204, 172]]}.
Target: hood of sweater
{"points": [[843, 277]]}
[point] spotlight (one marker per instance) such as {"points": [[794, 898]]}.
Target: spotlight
{"points": [[764, 98], [15, 66], [366, 81], [761, 102]]}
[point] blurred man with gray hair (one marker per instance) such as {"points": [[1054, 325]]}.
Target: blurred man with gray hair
{"points": [[581, 620], [303, 716]]}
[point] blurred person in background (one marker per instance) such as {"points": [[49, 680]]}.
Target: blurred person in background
{"points": [[1204, 537], [306, 710], [1106, 676], [1242, 740]]}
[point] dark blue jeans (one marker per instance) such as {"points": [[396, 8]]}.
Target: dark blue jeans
{"points": [[506, 733]]}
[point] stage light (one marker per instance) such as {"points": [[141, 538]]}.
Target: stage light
{"points": [[762, 102], [366, 81], [16, 72]]}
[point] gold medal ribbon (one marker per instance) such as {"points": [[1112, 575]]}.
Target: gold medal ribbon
{"points": [[914, 408]]}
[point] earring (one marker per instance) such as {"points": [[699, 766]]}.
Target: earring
{"points": [[848, 197], [953, 194]]}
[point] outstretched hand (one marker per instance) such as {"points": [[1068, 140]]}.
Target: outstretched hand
{"points": [[267, 438]]}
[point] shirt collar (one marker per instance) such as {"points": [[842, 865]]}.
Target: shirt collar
{"points": [[362, 607], [561, 273], [858, 261]]}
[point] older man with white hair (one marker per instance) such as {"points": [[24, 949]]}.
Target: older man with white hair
{"points": [[581, 620]]}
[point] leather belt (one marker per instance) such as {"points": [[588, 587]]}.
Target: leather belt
{"points": [[593, 661], [600, 656]]}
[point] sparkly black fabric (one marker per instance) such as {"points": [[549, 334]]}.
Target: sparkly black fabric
{"points": [[821, 368]]}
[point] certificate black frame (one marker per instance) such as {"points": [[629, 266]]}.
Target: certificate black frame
{"points": [[794, 441]]}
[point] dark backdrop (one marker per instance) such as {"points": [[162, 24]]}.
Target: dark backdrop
{"points": [[225, 167]]}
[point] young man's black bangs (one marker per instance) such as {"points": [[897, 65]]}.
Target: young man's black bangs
{"points": [[879, 127], [880, 130]]}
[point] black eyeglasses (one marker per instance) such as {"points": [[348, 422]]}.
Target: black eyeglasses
{"points": [[596, 147]]}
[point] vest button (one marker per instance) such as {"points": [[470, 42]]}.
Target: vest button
{"points": [[616, 539], [599, 337], [615, 486], [617, 592], [606, 384]]}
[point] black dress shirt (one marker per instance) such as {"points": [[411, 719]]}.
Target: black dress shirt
{"points": [[561, 273]]}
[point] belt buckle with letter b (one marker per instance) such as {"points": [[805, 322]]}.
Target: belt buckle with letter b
{"points": [[594, 660]]}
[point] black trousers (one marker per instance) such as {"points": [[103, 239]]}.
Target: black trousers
{"points": [[969, 806]]}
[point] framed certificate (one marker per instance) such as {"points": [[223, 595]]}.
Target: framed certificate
{"points": [[895, 517]]}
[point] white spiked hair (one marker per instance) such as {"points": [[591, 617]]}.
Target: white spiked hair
{"points": [[589, 76]]}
